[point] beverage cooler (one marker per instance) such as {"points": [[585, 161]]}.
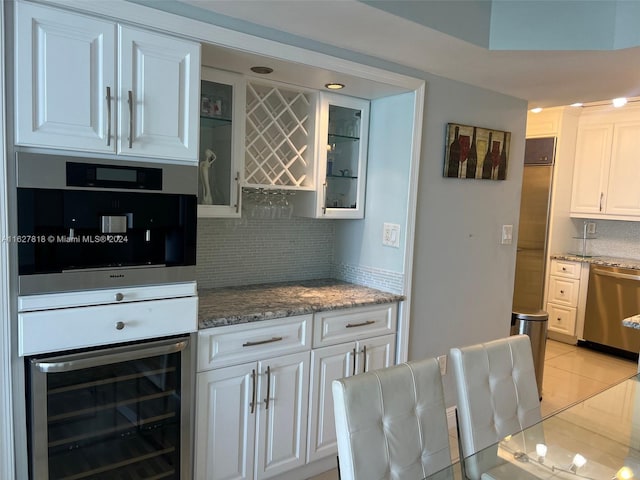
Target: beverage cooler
{"points": [[112, 413]]}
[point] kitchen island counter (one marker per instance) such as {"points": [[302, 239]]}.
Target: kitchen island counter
{"points": [[606, 261], [251, 303]]}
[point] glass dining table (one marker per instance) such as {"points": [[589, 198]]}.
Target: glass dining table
{"points": [[597, 438]]}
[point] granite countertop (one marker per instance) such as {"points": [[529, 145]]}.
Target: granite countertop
{"points": [[632, 322], [252, 303], [606, 261]]}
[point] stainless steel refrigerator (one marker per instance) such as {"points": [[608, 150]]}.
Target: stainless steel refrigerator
{"points": [[533, 226]]}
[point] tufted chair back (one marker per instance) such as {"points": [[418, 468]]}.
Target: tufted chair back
{"points": [[391, 423], [497, 394]]}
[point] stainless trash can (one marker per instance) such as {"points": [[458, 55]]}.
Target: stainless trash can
{"points": [[533, 324]]}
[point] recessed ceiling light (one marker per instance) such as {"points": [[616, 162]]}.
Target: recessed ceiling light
{"points": [[334, 86], [262, 70], [536, 110], [577, 104], [619, 102]]}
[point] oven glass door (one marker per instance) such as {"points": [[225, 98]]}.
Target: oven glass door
{"points": [[114, 413]]}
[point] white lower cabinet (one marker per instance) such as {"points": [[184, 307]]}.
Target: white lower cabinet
{"points": [[264, 404], [251, 419], [329, 364]]}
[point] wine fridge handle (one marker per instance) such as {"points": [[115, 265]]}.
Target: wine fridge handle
{"points": [[60, 365]]}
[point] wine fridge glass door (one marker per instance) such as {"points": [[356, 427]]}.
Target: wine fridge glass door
{"points": [[110, 413]]}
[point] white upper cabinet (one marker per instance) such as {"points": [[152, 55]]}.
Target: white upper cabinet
{"points": [[591, 171], [77, 89], [65, 75], [607, 166], [221, 148]]}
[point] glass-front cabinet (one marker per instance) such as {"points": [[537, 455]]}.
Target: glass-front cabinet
{"points": [[221, 132], [342, 158]]}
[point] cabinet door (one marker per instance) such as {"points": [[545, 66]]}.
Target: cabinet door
{"points": [[327, 364], [65, 71], [623, 194], [282, 414], [591, 170], [342, 160], [225, 425], [375, 353], [562, 319], [221, 133], [158, 95]]}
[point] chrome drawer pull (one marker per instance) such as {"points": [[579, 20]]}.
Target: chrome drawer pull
{"points": [[262, 342], [119, 325], [119, 297], [363, 324]]}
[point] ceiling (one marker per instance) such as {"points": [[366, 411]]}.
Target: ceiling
{"points": [[543, 78]]}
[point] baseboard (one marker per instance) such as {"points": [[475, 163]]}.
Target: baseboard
{"points": [[562, 337]]}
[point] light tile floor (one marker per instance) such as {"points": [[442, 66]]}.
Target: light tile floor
{"points": [[571, 374]]}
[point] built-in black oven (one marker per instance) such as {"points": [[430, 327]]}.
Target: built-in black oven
{"points": [[89, 223]]}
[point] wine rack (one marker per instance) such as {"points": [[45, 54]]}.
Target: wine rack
{"points": [[279, 137]]}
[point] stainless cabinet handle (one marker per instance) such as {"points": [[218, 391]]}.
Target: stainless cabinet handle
{"points": [[353, 372], [324, 198], [262, 342], [254, 393], [364, 351], [238, 192], [119, 325], [119, 297], [266, 400], [601, 197], [363, 324], [108, 116], [130, 100]]}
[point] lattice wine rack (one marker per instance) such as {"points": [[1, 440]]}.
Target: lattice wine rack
{"points": [[279, 137]]}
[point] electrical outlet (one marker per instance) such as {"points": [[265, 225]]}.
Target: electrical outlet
{"points": [[591, 228], [391, 235], [442, 361]]}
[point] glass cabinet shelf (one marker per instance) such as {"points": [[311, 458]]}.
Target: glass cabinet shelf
{"points": [[335, 138], [214, 122]]}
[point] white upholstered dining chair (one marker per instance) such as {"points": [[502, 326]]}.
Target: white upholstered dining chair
{"points": [[391, 423], [497, 396]]}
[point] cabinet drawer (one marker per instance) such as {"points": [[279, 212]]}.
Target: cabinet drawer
{"points": [[562, 319], [338, 326], [562, 268], [64, 329], [235, 344], [564, 291]]}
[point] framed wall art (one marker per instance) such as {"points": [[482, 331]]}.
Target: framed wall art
{"points": [[476, 152]]}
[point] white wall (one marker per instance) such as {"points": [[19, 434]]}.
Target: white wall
{"points": [[360, 242], [462, 276], [6, 424]]}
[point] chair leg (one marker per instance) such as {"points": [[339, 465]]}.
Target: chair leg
{"points": [[338, 462]]}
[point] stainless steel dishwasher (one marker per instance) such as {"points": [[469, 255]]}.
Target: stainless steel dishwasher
{"points": [[613, 294]]}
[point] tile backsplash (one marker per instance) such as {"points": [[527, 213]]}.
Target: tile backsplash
{"points": [[247, 251], [614, 238]]}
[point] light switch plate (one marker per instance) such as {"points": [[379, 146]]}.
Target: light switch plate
{"points": [[391, 235], [507, 234]]}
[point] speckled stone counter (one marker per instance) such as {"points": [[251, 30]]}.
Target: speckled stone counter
{"points": [[606, 261], [252, 303], [632, 322]]}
